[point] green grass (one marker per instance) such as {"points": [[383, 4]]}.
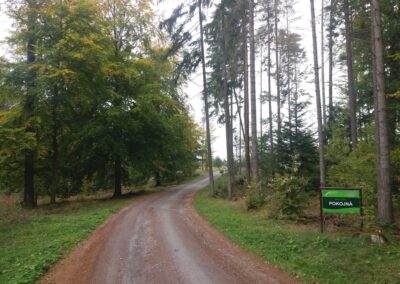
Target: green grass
{"points": [[30, 246], [33, 240], [305, 254]]}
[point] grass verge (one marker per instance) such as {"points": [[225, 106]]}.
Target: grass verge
{"points": [[32, 240], [28, 249], [310, 256]]}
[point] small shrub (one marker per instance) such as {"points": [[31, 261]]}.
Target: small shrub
{"points": [[221, 186], [87, 186], [223, 170], [287, 198], [239, 181], [254, 198]]}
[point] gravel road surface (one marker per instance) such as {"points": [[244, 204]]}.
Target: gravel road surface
{"points": [[161, 239]]}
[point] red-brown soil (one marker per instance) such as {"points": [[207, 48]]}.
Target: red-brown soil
{"points": [[161, 239]]}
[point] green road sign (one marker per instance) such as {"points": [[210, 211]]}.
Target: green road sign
{"points": [[341, 201]]}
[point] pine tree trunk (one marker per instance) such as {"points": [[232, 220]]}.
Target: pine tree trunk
{"points": [[246, 135], [331, 19], [55, 158], [157, 177], [323, 62], [231, 132], [271, 138], [228, 126], [29, 190], [240, 146], [350, 75], [205, 98], [254, 152], [385, 212], [290, 114], [261, 106], [29, 170], [296, 96], [261, 92], [241, 132], [318, 98], [55, 162], [278, 93], [376, 115], [229, 144], [240, 114], [289, 93], [117, 179]]}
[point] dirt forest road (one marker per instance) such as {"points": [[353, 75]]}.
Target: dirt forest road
{"points": [[161, 239]]}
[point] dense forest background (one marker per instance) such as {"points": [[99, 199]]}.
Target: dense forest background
{"points": [[283, 155], [92, 99]]}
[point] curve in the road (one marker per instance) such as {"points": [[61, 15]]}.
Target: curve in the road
{"points": [[161, 239]]}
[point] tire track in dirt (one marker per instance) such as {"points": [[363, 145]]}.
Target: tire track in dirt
{"points": [[161, 239]]}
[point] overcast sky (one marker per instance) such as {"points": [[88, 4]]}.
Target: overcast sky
{"points": [[194, 86]]}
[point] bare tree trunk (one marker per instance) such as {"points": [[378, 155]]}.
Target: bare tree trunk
{"points": [[228, 126], [261, 91], [323, 62], [290, 113], [261, 104], [231, 132], [350, 76], [254, 152], [296, 97], [271, 138], [278, 92], [226, 107], [241, 131], [55, 158], [29, 190], [318, 99], [56, 128], [157, 177], [240, 145], [205, 98], [240, 115], [246, 135], [117, 178], [55, 161], [331, 19], [385, 212], [29, 169], [289, 92], [376, 115]]}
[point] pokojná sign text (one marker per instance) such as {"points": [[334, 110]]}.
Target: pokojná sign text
{"points": [[341, 201]]}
